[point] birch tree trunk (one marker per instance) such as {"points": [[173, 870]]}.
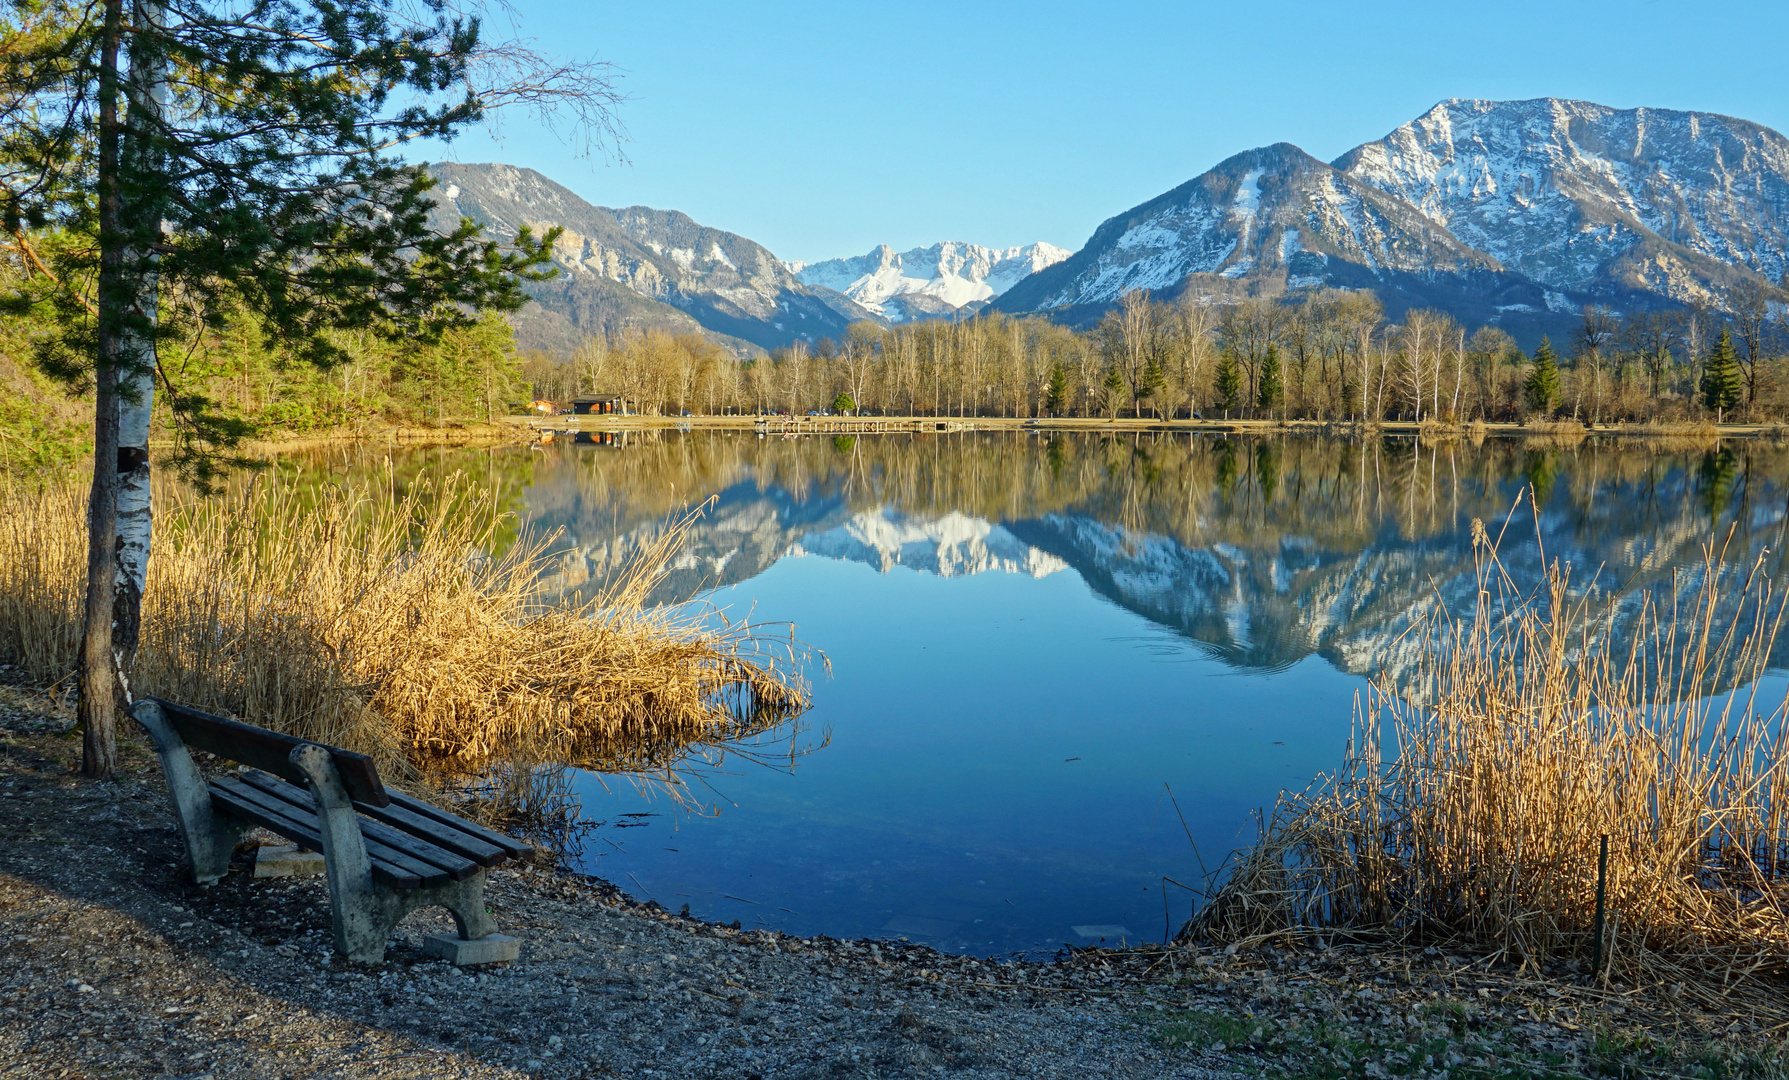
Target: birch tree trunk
{"points": [[118, 508], [148, 91]]}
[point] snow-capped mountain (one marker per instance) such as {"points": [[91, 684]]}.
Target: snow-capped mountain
{"points": [[1592, 199], [940, 279], [1513, 212], [950, 545], [639, 267], [1280, 217]]}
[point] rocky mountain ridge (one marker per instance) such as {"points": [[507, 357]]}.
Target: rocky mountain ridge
{"points": [[1601, 201], [639, 268], [1515, 213], [944, 279]]}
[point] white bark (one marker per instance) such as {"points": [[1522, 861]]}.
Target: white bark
{"points": [[136, 389]]}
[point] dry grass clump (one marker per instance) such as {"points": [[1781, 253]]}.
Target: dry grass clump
{"points": [[1470, 807], [388, 622], [1544, 433], [1432, 432], [1663, 436]]}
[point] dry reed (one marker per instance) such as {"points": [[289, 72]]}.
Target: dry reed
{"points": [[1469, 808], [1545, 433], [1433, 432], [403, 624]]}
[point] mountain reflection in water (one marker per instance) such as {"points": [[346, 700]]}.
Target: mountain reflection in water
{"points": [[1035, 638], [1260, 551]]}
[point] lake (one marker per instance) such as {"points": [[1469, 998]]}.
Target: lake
{"points": [[1064, 668]]}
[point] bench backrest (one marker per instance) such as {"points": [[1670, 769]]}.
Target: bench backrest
{"points": [[270, 751]]}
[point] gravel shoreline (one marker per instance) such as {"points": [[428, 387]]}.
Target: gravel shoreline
{"points": [[113, 964]]}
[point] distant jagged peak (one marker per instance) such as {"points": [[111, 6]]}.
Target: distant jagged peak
{"points": [[949, 275]]}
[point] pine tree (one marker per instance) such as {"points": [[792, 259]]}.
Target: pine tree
{"points": [[843, 404], [1056, 390], [1722, 382], [1269, 389], [1114, 389], [1229, 381], [1154, 384], [239, 156], [1542, 387]]}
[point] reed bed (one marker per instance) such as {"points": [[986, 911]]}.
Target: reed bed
{"points": [[1472, 801], [1553, 433], [405, 624]]}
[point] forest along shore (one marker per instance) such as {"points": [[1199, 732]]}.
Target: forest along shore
{"points": [[847, 425], [115, 964]]}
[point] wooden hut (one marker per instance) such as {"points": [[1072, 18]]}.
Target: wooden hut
{"points": [[596, 404]]}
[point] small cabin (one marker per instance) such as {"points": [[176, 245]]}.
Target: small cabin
{"points": [[596, 404], [543, 407]]}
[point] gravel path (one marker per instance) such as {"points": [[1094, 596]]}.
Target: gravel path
{"points": [[112, 964]]}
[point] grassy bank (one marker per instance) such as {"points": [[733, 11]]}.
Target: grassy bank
{"points": [[1470, 810], [402, 623]]}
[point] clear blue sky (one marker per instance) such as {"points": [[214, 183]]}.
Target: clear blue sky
{"points": [[820, 129]]}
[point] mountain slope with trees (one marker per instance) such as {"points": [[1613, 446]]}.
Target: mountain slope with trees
{"points": [[638, 268]]}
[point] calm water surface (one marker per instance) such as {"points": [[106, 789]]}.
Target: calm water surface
{"points": [[1064, 669]]}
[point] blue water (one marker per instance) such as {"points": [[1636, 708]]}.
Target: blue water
{"points": [[1001, 750], [1064, 670]]}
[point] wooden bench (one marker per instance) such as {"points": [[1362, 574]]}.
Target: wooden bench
{"points": [[385, 854]]}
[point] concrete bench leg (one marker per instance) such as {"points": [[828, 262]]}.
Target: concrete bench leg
{"points": [[364, 914], [210, 837], [478, 941]]}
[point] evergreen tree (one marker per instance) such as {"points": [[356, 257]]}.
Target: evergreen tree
{"points": [[1056, 390], [1229, 381], [238, 154], [1113, 389], [1542, 387], [1722, 381], [1269, 388], [843, 404], [1155, 384]]}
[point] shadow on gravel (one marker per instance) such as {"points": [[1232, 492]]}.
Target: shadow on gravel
{"points": [[115, 964]]}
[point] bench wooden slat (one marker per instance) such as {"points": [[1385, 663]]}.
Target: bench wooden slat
{"points": [[239, 800], [270, 751], [426, 873], [457, 866], [446, 836], [515, 847]]}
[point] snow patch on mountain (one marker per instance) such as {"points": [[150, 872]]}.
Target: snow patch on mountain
{"points": [[954, 274], [1571, 193]]}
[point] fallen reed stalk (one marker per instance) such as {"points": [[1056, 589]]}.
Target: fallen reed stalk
{"points": [[1470, 804], [405, 624]]}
